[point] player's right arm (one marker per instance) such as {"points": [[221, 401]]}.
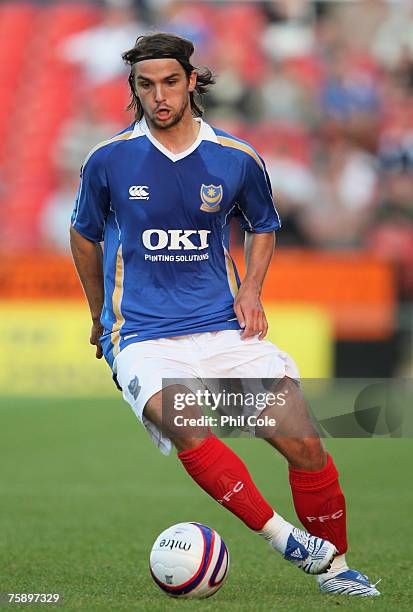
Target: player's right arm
{"points": [[86, 234], [88, 258]]}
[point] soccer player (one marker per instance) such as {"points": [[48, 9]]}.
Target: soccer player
{"points": [[166, 300]]}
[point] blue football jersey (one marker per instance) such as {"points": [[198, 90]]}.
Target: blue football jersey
{"points": [[164, 219]]}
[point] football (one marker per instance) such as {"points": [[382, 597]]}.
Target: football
{"points": [[189, 560]]}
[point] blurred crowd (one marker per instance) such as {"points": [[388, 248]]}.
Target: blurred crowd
{"points": [[323, 90]]}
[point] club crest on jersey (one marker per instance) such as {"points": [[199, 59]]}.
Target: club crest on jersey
{"points": [[211, 196]]}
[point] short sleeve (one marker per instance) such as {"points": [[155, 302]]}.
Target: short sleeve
{"points": [[92, 200], [255, 201]]}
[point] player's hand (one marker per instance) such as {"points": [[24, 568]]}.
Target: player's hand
{"points": [[250, 313], [96, 332]]}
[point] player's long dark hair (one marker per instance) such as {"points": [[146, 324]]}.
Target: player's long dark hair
{"points": [[160, 45]]}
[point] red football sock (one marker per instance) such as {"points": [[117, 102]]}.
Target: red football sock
{"points": [[320, 504], [222, 474]]}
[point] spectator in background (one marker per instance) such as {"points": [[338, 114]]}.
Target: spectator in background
{"points": [[289, 85], [391, 230], [394, 37], [345, 199], [231, 99], [289, 32], [295, 190], [57, 211], [192, 20], [350, 99], [284, 98], [77, 137], [80, 133], [359, 21], [98, 50]]}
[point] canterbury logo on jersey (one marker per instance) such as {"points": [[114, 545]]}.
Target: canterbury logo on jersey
{"points": [[139, 192], [175, 239]]}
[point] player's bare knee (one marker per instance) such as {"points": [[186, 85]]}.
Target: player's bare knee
{"points": [[158, 411], [312, 456], [153, 408], [187, 443], [183, 425]]}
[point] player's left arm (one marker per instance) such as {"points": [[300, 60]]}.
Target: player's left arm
{"points": [[259, 249], [260, 220]]}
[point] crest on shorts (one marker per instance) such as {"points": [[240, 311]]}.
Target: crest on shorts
{"points": [[211, 196], [134, 387]]}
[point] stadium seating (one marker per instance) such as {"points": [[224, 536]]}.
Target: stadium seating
{"points": [[38, 93]]}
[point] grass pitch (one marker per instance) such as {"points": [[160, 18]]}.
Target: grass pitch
{"points": [[84, 493]]}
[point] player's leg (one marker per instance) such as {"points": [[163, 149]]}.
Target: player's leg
{"points": [[317, 495], [313, 477], [318, 499], [140, 369], [224, 476], [210, 462]]}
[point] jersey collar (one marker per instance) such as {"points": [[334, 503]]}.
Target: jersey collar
{"points": [[205, 133]]}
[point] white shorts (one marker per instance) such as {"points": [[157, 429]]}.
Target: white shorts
{"points": [[141, 366]]}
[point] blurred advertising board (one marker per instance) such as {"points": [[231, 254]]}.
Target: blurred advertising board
{"points": [[357, 289], [46, 350]]}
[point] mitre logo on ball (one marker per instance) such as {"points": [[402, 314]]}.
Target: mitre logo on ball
{"points": [[175, 544], [211, 196]]}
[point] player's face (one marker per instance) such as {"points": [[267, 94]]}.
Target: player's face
{"points": [[163, 90]]}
